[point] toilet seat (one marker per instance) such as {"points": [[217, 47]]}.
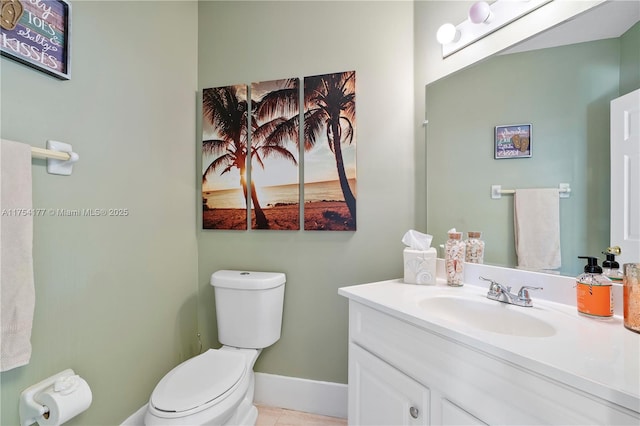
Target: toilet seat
{"points": [[199, 383]]}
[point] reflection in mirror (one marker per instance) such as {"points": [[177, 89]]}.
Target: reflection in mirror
{"points": [[564, 92]]}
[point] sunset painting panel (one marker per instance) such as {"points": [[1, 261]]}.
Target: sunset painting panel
{"points": [[330, 152], [224, 157], [275, 147]]}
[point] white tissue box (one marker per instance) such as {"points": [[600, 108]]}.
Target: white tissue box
{"points": [[420, 266]]}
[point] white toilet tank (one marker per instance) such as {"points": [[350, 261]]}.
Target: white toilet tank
{"points": [[248, 307]]}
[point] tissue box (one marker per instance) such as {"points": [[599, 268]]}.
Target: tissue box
{"points": [[420, 266]]}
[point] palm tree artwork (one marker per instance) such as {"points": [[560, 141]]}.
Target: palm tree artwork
{"points": [[249, 159], [224, 157], [329, 127], [274, 153]]}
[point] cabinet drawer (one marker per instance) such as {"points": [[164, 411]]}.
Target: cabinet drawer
{"points": [[452, 415]]}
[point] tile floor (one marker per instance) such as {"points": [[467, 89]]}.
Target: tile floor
{"points": [[271, 416]]}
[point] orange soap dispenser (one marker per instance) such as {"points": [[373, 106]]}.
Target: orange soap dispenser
{"points": [[594, 295]]}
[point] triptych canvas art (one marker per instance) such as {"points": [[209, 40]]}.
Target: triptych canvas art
{"points": [[255, 142]]}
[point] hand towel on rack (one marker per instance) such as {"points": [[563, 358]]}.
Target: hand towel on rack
{"points": [[537, 228], [17, 293]]}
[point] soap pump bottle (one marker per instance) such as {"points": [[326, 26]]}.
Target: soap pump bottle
{"points": [[594, 295], [610, 267]]}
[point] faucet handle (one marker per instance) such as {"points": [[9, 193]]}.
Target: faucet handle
{"points": [[523, 293], [495, 286]]}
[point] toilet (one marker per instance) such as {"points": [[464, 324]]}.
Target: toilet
{"points": [[217, 386]]}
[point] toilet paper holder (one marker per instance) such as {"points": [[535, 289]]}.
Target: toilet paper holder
{"points": [[30, 409]]}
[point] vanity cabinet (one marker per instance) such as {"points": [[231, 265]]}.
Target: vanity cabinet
{"points": [[401, 373]]}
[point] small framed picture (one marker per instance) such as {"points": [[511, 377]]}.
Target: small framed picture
{"points": [[37, 33], [513, 141]]}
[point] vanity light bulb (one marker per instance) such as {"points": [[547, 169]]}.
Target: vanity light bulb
{"points": [[480, 12], [447, 33]]}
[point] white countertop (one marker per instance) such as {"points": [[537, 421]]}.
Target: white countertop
{"points": [[599, 357]]}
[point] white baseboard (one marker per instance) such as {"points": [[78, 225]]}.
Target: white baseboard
{"points": [[310, 396]]}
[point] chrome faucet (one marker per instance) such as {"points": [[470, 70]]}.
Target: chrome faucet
{"points": [[503, 294]]}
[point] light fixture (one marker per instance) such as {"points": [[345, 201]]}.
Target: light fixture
{"points": [[480, 12], [447, 33], [483, 20]]}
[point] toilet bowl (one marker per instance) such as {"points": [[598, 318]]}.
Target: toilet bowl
{"points": [[213, 388], [217, 386]]}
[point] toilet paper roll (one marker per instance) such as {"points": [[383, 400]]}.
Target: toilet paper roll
{"points": [[67, 398]]}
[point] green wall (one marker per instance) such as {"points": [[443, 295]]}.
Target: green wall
{"points": [[630, 60], [274, 40], [115, 296], [120, 300], [564, 93]]}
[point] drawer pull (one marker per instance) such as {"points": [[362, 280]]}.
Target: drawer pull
{"points": [[414, 412]]}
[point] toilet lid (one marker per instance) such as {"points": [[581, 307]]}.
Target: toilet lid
{"points": [[198, 381]]}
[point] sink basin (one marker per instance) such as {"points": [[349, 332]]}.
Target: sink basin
{"points": [[487, 315]]}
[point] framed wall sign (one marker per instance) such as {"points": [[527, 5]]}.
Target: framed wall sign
{"points": [[37, 33], [513, 141]]}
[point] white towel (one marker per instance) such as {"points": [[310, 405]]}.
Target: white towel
{"points": [[537, 228], [17, 293]]}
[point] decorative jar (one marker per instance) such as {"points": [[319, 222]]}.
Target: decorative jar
{"points": [[454, 254], [474, 248], [631, 296]]}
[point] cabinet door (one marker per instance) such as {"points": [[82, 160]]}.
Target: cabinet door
{"points": [[381, 395], [452, 415]]}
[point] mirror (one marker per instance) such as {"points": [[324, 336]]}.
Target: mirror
{"points": [[561, 83]]}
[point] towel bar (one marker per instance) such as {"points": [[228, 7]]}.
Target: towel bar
{"points": [[497, 192], [48, 153], [59, 155]]}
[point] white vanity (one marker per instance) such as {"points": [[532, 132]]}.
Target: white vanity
{"points": [[438, 355]]}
